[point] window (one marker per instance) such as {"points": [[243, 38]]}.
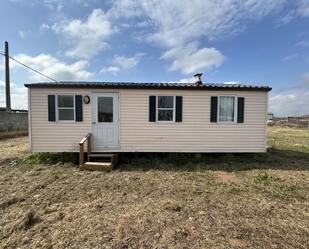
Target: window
{"points": [[165, 108], [227, 108], [105, 109], [65, 107]]}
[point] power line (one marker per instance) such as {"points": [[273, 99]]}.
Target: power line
{"points": [[34, 70]]}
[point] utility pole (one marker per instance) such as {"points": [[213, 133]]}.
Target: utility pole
{"points": [[7, 77]]}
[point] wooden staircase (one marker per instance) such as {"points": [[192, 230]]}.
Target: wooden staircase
{"points": [[95, 161]]}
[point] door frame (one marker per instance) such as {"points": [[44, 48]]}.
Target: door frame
{"points": [[94, 95]]}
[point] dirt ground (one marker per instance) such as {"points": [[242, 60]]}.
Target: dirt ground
{"points": [[226, 201]]}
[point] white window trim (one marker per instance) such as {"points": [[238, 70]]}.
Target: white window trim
{"points": [[235, 109], [57, 108], [173, 109]]}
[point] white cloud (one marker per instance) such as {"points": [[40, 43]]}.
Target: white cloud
{"points": [[192, 80], [143, 24], [174, 22], [52, 67], [86, 37], [287, 18], [291, 57], [48, 65], [302, 43], [232, 83], [120, 62], [300, 9], [58, 5], [303, 8], [185, 80], [127, 62], [44, 27], [55, 5], [306, 80], [291, 102], [110, 69], [19, 96], [23, 34], [190, 59]]}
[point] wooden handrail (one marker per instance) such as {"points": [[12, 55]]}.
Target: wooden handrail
{"points": [[81, 148], [85, 139]]}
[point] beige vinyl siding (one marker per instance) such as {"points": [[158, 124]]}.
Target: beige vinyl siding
{"points": [[56, 136], [29, 120], [194, 134]]}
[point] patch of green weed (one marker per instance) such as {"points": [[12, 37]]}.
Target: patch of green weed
{"points": [[274, 185], [264, 178], [50, 158], [284, 191]]}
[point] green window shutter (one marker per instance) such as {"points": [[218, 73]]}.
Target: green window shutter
{"points": [[51, 108], [213, 109], [152, 108], [178, 109], [240, 109], [78, 108]]}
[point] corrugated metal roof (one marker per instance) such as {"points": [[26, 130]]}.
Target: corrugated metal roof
{"points": [[135, 85]]}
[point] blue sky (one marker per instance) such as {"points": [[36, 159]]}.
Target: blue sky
{"points": [[250, 41]]}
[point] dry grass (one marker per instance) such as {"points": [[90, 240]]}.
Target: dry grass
{"points": [[12, 134], [12, 150], [261, 201], [289, 138]]}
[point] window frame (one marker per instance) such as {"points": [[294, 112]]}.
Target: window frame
{"points": [[97, 110], [68, 108], [160, 108], [235, 109]]}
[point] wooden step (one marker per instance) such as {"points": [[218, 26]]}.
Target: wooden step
{"points": [[101, 155], [113, 157], [97, 166]]}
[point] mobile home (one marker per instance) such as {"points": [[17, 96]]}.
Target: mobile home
{"points": [[147, 117]]}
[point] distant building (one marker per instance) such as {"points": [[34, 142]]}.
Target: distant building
{"points": [[299, 121], [270, 116]]}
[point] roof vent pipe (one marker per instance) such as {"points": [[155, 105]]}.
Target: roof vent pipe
{"points": [[198, 78]]}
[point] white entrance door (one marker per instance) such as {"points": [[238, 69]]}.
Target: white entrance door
{"points": [[105, 121]]}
